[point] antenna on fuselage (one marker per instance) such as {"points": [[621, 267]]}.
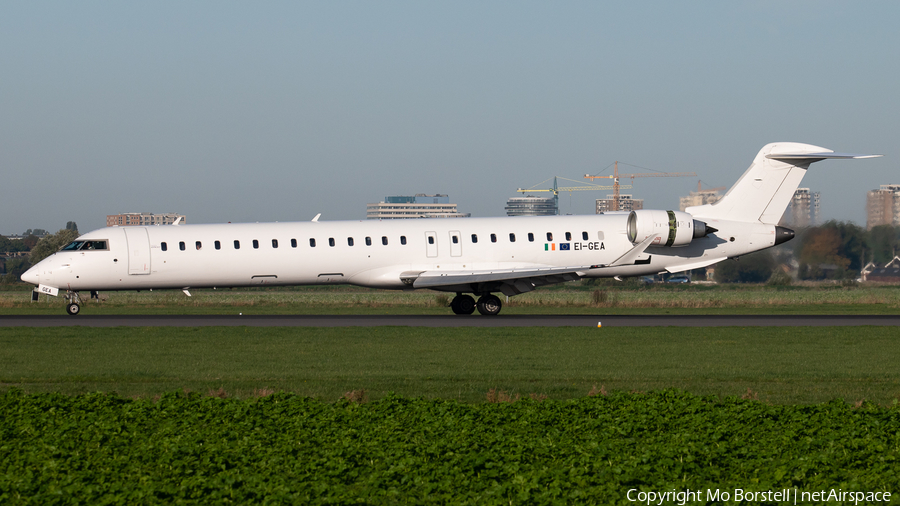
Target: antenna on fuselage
{"points": [[317, 217]]}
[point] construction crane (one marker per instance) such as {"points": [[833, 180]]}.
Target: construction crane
{"points": [[701, 189], [556, 189], [616, 186]]}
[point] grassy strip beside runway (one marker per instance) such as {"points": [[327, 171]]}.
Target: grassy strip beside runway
{"points": [[778, 365], [571, 298]]}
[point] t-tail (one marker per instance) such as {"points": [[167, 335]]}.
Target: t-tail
{"points": [[764, 191]]}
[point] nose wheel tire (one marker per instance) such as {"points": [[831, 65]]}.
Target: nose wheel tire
{"points": [[489, 305], [462, 304], [73, 308]]}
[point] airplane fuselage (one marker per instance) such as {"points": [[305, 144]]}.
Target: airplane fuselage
{"points": [[367, 253], [463, 255]]}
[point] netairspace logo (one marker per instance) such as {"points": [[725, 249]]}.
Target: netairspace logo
{"points": [[739, 495]]}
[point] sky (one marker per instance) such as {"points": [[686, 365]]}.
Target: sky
{"points": [[277, 111]]}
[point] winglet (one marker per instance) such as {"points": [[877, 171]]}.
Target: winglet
{"points": [[316, 219], [631, 255]]}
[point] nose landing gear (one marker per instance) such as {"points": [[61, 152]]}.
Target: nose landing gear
{"points": [[73, 306]]}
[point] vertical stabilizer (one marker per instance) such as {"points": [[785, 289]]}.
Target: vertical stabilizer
{"points": [[764, 191]]}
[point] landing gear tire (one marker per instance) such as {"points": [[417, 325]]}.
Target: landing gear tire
{"points": [[73, 306], [489, 305], [462, 304]]}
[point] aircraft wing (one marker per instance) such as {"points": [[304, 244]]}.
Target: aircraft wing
{"points": [[512, 281], [509, 281]]}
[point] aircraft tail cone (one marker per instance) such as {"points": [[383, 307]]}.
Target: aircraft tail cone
{"points": [[783, 235]]}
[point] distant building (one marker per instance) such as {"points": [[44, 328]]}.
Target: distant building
{"points": [[143, 219], [626, 203], [699, 198], [803, 210], [883, 206], [418, 206], [890, 273], [530, 205]]}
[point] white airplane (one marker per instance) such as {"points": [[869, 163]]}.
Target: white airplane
{"points": [[479, 256]]}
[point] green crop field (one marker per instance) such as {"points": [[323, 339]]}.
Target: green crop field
{"points": [[401, 415], [283, 449]]}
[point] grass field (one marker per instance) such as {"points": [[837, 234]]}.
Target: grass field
{"points": [[778, 365], [199, 423], [571, 298]]}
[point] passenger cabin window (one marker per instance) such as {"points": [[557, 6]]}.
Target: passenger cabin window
{"points": [[584, 236], [274, 243], [218, 245], [493, 237], [163, 246], [312, 243], [198, 245], [181, 246], [237, 244], [368, 241], [331, 241], [530, 237], [474, 238], [384, 240], [568, 236], [349, 241], [512, 237], [293, 243], [255, 244], [403, 240], [549, 236]]}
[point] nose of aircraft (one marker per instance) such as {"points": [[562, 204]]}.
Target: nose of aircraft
{"points": [[31, 276]]}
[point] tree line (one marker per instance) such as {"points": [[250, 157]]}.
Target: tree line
{"points": [[836, 250], [12, 267]]}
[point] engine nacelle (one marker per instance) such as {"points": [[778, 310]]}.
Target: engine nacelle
{"points": [[671, 228]]}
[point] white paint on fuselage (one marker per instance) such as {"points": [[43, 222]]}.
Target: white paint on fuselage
{"points": [[376, 265]]}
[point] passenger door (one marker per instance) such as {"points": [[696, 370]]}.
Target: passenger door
{"points": [[138, 242]]}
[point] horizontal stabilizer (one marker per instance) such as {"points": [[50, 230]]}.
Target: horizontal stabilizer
{"points": [[818, 156]]}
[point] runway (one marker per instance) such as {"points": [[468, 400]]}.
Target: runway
{"points": [[449, 321]]}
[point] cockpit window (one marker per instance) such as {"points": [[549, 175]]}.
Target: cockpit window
{"points": [[85, 245]]}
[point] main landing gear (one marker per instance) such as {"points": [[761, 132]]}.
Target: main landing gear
{"points": [[487, 304]]}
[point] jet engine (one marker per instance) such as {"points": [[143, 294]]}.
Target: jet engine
{"points": [[671, 228]]}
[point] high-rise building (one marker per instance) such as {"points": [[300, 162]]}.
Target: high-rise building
{"points": [[699, 198], [530, 205], [626, 203], [418, 206], [883, 206], [803, 210], [143, 219]]}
